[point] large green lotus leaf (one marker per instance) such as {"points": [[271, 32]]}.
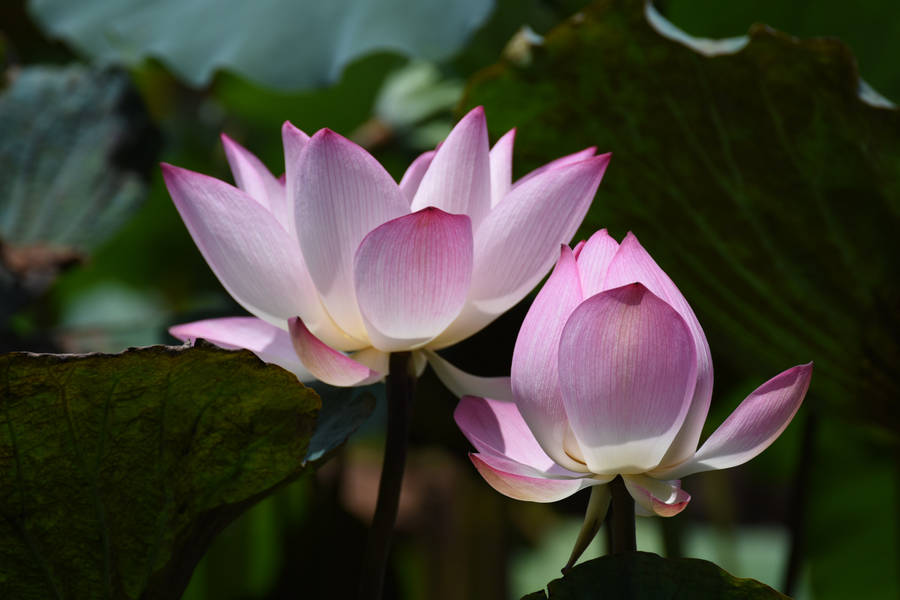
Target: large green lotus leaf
{"points": [[646, 576], [282, 44], [751, 169], [871, 28], [116, 471], [75, 145]]}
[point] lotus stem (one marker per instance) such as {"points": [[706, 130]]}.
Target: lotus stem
{"points": [[400, 386], [621, 518], [799, 503]]}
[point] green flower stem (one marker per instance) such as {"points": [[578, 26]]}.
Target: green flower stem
{"points": [[621, 518], [799, 503], [400, 386]]}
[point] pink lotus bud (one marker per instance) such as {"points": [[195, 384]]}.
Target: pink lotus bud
{"points": [[612, 375]]}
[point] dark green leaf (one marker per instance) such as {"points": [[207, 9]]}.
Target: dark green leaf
{"points": [[116, 471], [280, 43], [344, 410], [646, 576], [758, 179], [871, 28]]}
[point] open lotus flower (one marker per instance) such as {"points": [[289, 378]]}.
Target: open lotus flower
{"points": [[611, 375], [340, 265]]}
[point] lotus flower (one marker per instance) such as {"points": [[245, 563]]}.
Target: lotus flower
{"points": [[611, 375], [340, 265]]}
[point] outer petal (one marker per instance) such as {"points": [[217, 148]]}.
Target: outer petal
{"points": [[559, 162], [409, 184], [535, 379], [252, 176], [517, 243], [662, 498], [373, 358], [593, 261], [594, 516], [524, 483], [256, 260], [576, 250], [269, 343], [501, 167], [627, 369], [294, 141], [326, 363], [459, 177], [419, 362], [462, 383], [495, 427], [412, 276], [633, 264], [753, 426], [340, 194]]}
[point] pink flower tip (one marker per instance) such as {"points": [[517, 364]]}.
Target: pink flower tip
{"points": [[169, 170], [670, 510], [288, 126], [477, 111], [177, 331]]}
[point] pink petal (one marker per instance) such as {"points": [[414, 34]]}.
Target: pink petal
{"points": [[294, 141], [501, 167], [269, 343], [459, 178], [559, 162], [326, 363], [256, 260], [470, 320], [340, 194], [597, 508], [252, 176], [412, 277], [627, 369], [496, 427], [524, 483], [535, 380], [518, 242], [593, 261], [576, 249], [662, 498], [633, 264], [419, 362], [373, 358], [753, 426], [462, 384], [409, 184]]}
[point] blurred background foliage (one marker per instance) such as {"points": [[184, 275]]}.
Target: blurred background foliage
{"points": [[759, 181]]}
